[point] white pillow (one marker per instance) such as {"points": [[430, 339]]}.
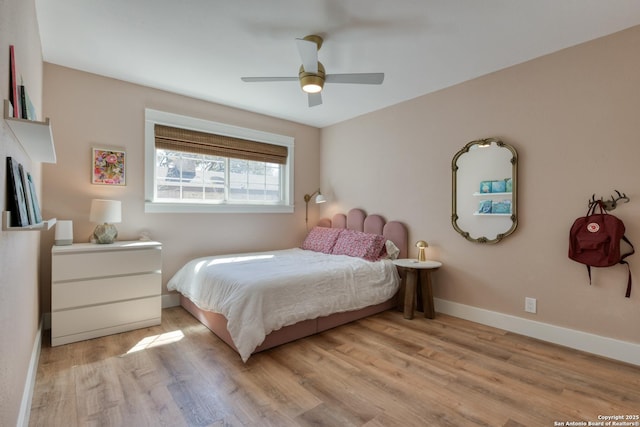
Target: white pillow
{"points": [[392, 250]]}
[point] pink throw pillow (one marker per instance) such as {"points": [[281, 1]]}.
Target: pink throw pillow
{"points": [[321, 239], [358, 244]]}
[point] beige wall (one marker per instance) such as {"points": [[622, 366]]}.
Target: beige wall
{"points": [[19, 313], [573, 116], [87, 110]]}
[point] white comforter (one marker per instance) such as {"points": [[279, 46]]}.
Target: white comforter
{"points": [[262, 292]]}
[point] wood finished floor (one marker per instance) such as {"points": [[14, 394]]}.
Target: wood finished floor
{"points": [[379, 371]]}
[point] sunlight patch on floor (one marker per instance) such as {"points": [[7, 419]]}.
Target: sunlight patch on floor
{"points": [[157, 340]]}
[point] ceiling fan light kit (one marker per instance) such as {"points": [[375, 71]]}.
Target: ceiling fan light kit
{"points": [[312, 74], [312, 82]]}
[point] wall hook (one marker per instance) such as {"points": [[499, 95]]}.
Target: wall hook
{"points": [[609, 204]]}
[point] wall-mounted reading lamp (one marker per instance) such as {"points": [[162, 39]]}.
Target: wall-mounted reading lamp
{"points": [[307, 197]]}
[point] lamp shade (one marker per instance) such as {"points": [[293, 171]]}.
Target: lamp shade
{"points": [[320, 198], [105, 211]]}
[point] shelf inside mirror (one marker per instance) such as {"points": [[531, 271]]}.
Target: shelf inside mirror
{"points": [[476, 194], [476, 213]]}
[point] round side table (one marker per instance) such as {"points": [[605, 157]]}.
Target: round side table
{"points": [[414, 268]]}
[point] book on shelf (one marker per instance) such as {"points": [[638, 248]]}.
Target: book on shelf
{"points": [[27, 195], [23, 101], [37, 215], [31, 109], [501, 207], [13, 83], [498, 186], [16, 197], [484, 207], [28, 111]]}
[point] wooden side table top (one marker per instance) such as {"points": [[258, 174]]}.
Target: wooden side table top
{"points": [[414, 263]]}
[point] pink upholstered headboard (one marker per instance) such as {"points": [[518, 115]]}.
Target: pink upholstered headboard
{"points": [[358, 220]]}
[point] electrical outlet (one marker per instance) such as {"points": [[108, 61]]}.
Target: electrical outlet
{"points": [[530, 305]]}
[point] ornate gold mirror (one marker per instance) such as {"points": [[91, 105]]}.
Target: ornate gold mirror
{"points": [[484, 203]]}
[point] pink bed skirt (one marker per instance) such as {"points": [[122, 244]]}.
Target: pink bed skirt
{"points": [[217, 323]]}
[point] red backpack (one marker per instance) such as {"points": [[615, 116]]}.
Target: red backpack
{"points": [[594, 240]]}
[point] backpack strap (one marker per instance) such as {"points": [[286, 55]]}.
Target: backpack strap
{"points": [[622, 261]]}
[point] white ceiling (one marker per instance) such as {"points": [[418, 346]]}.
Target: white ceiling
{"points": [[201, 48]]}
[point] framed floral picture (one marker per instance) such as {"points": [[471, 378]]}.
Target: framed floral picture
{"points": [[108, 167]]}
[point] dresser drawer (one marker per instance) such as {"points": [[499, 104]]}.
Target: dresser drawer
{"points": [[90, 322], [98, 291], [82, 265]]}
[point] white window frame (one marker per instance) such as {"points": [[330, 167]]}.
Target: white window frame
{"points": [[153, 117]]}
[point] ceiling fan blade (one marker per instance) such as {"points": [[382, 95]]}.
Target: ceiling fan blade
{"points": [[356, 78], [315, 99], [309, 54], [268, 79]]}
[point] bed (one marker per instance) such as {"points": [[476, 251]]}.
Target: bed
{"points": [[256, 301]]}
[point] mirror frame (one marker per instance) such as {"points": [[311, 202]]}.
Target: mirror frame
{"points": [[514, 197]]}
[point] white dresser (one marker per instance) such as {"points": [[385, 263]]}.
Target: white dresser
{"points": [[99, 290]]}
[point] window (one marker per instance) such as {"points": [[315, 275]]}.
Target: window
{"points": [[194, 165]]}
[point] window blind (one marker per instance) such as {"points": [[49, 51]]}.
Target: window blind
{"points": [[191, 141]]}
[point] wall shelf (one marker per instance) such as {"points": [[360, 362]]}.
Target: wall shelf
{"points": [[35, 137], [44, 225]]}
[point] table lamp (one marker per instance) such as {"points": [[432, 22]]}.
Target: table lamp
{"points": [[105, 213], [421, 245]]}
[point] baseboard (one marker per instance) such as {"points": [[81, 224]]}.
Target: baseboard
{"points": [[170, 300], [30, 383], [623, 351]]}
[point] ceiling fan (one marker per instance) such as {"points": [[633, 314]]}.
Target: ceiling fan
{"points": [[312, 75]]}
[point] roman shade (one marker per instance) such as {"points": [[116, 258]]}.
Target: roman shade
{"points": [[191, 141]]}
